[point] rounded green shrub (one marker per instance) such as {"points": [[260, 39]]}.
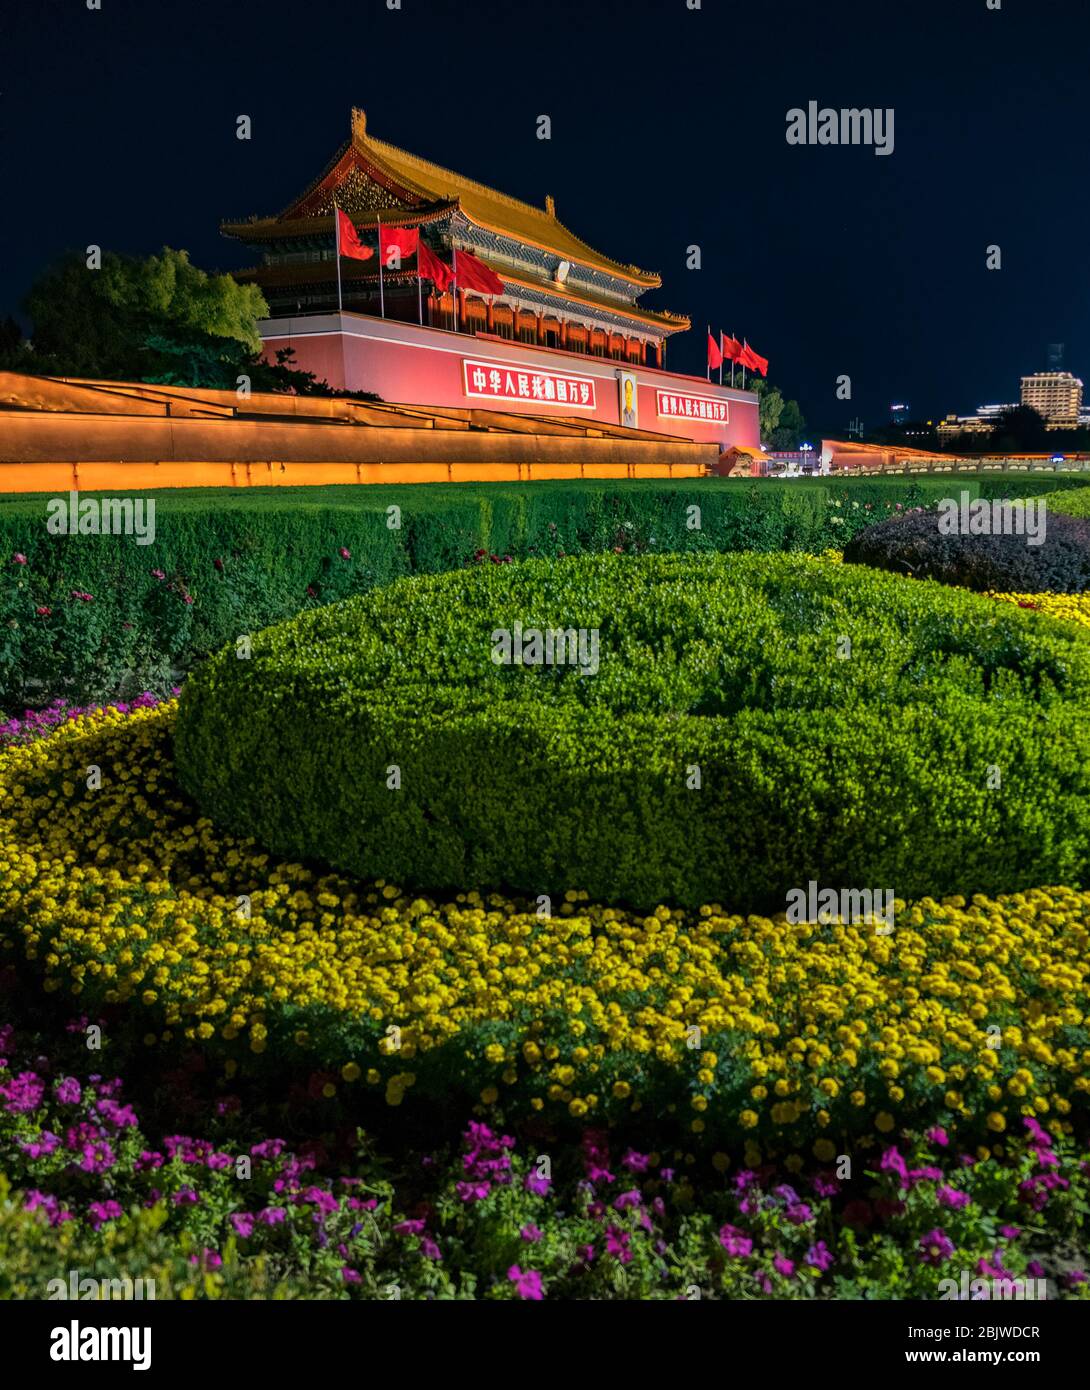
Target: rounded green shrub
{"points": [[751, 722], [1075, 502]]}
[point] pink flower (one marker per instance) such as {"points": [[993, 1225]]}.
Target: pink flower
{"points": [[243, 1223], [189, 598], [43, 612], [19, 559], [819, 1257], [345, 553], [734, 1241], [951, 1197], [782, 1265], [935, 1247], [527, 1283], [158, 574]]}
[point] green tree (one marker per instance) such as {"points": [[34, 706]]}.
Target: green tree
{"points": [[1020, 430], [99, 322], [791, 430]]}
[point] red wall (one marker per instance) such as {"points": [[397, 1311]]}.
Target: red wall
{"points": [[413, 365]]}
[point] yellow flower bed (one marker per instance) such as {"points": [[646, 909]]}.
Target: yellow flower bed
{"points": [[122, 894], [1074, 607]]}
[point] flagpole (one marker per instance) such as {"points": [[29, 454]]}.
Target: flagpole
{"points": [[454, 285], [720, 357], [708, 368], [419, 285], [732, 366], [381, 290], [337, 250]]}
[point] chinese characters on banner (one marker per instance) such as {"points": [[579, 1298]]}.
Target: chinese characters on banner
{"points": [[673, 406], [502, 381]]}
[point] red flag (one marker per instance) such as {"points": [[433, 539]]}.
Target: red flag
{"points": [[473, 274], [731, 347], [753, 360], [432, 268], [348, 242], [715, 357], [403, 240]]}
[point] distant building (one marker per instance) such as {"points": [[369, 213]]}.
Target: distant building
{"points": [[985, 420], [899, 413], [1057, 396]]}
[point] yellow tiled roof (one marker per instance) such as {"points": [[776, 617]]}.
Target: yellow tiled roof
{"points": [[495, 211]]}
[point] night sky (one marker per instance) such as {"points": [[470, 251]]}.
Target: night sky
{"points": [[117, 127]]}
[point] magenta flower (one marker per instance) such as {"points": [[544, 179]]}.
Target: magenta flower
{"points": [[272, 1216], [23, 1092], [892, 1162], [531, 1233], [938, 1135], [351, 1276], [935, 1247], [951, 1197], [101, 1212], [409, 1228], [243, 1223], [538, 1186], [735, 1242], [782, 1265], [617, 1244], [819, 1257], [68, 1091], [429, 1249], [45, 1143], [346, 554], [527, 1283]]}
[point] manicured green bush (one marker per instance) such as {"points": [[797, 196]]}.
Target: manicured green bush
{"points": [[1072, 502], [916, 544], [100, 617], [843, 726]]}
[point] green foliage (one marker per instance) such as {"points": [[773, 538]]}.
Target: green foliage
{"points": [[866, 764], [1075, 502], [97, 323], [279, 552]]}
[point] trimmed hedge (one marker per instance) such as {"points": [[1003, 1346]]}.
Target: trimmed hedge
{"points": [[88, 618], [913, 544], [863, 763], [1071, 501]]}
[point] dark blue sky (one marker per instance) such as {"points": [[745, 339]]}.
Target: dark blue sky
{"points": [[118, 127]]}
